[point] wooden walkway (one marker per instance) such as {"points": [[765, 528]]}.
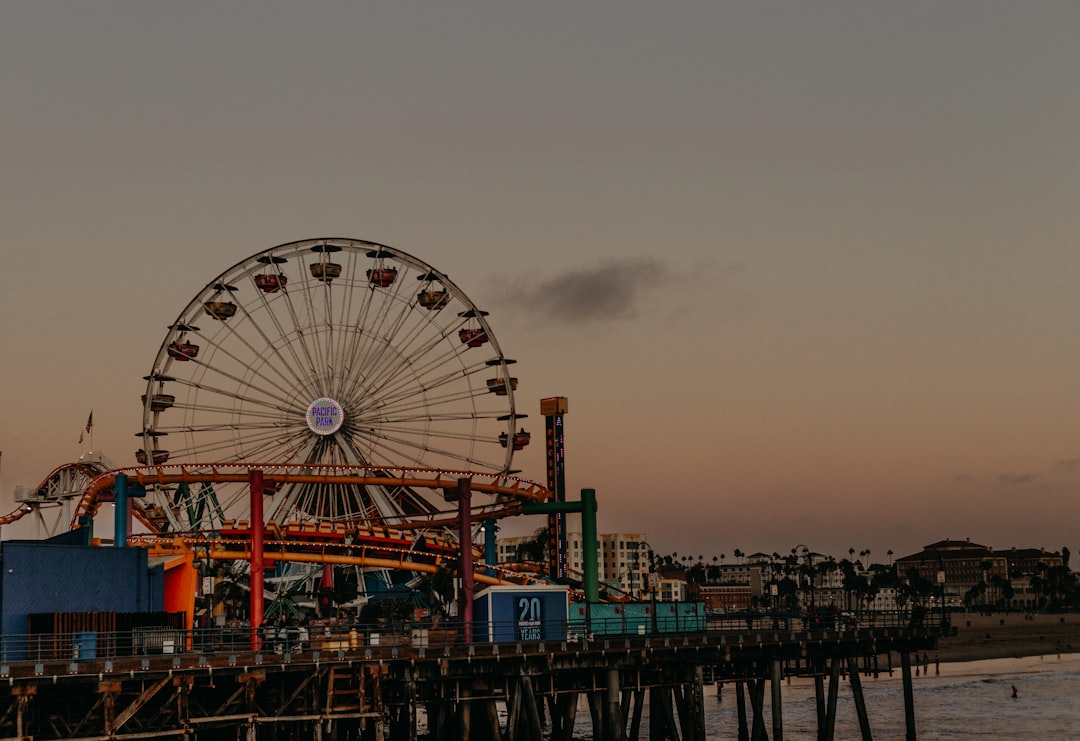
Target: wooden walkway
{"points": [[482, 692]]}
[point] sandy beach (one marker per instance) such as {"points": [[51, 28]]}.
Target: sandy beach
{"points": [[1012, 635]]}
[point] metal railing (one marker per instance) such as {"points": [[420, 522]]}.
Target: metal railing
{"points": [[388, 639]]}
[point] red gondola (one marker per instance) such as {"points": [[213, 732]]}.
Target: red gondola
{"points": [[521, 439], [271, 282], [158, 457], [182, 350], [473, 337], [382, 277]]}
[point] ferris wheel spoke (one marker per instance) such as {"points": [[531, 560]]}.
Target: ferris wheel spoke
{"points": [[408, 391], [407, 380], [307, 358], [416, 362], [425, 398], [406, 433], [349, 335], [409, 349], [324, 310], [437, 371], [458, 397], [220, 427], [432, 418], [359, 346], [219, 450], [374, 317], [414, 449], [275, 447], [287, 498], [287, 371], [241, 444], [283, 349], [251, 411], [318, 322], [265, 397]]}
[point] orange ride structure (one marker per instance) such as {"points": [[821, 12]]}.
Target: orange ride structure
{"points": [[345, 391]]}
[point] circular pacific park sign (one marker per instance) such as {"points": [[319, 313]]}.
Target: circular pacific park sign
{"points": [[324, 416]]}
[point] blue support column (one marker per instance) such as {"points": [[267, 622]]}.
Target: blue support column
{"points": [[491, 551], [123, 491], [120, 519]]}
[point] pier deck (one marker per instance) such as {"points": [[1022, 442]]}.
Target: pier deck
{"points": [[523, 690]]}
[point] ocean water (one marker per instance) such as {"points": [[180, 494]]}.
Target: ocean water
{"points": [[965, 701]]}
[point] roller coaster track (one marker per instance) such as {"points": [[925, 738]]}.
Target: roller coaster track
{"points": [[339, 554], [510, 492], [339, 543], [63, 482]]}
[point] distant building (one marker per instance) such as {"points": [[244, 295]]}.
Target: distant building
{"points": [[722, 597], [1026, 562], [622, 559], [672, 590], [963, 563]]}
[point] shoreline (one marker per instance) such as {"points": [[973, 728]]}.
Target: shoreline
{"points": [[1012, 635]]}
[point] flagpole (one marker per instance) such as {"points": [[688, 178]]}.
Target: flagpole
{"points": [[89, 429]]}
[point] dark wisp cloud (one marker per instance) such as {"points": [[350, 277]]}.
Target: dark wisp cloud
{"points": [[612, 290], [1017, 479]]}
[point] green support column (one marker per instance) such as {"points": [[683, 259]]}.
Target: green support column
{"points": [[590, 561]]}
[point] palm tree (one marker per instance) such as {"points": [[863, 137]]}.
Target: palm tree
{"points": [[1003, 589], [535, 548], [231, 590], [852, 583]]}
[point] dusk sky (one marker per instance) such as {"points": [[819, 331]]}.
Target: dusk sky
{"points": [[807, 272]]}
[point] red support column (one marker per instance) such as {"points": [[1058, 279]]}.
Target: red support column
{"points": [[257, 492], [465, 567]]}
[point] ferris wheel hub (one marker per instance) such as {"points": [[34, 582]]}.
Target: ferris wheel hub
{"points": [[325, 416]]}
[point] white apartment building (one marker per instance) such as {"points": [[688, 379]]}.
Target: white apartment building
{"points": [[622, 558]]}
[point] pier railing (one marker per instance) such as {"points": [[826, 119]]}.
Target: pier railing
{"points": [[295, 641]]}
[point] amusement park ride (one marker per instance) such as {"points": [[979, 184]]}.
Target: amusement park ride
{"points": [[317, 401]]}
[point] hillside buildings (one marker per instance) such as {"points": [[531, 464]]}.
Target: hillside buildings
{"points": [[950, 572]]}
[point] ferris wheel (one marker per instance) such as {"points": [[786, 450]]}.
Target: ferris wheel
{"points": [[326, 352]]}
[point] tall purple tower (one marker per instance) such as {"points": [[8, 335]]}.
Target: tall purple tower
{"points": [[554, 409]]}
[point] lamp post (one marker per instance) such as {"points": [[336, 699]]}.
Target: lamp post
{"points": [[808, 560], [651, 581], [941, 581]]}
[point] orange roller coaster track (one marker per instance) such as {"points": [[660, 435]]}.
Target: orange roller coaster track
{"points": [[315, 553], [510, 492]]}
